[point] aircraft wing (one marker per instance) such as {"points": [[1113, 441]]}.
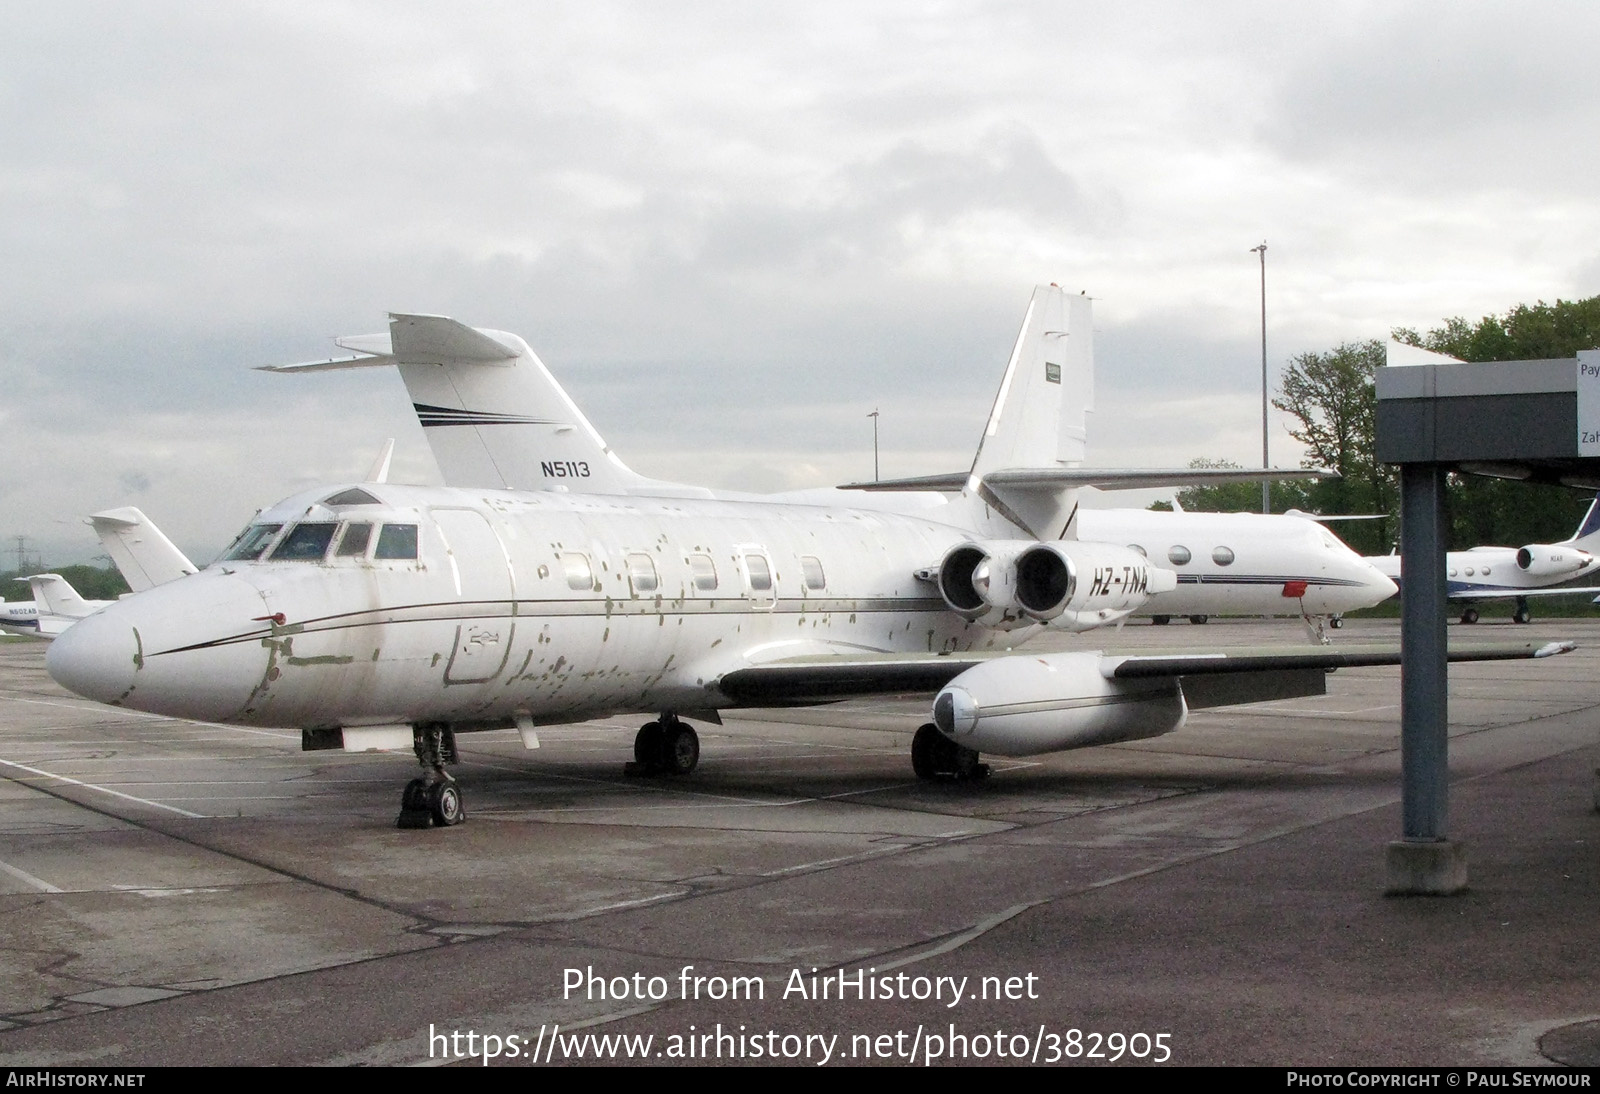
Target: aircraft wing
{"points": [[1211, 678], [1511, 594], [1101, 478]]}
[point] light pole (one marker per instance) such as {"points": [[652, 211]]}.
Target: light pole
{"points": [[874, 417], [1266, 465]]}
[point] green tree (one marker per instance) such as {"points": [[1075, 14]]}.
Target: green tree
{"points": [[1493, 511], [1332, 396]]}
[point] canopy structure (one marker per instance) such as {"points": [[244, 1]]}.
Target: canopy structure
{"points": [[1535, 421]]}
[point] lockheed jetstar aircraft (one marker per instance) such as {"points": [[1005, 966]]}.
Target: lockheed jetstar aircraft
{"points": [[373, 615], [484, 425]]}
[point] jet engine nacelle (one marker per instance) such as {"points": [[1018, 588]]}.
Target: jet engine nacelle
{"points": [[1545, 560], [1021, 705], [1075, 586], [1005, 584]]}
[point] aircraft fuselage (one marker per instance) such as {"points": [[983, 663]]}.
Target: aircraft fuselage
{"points": [[547, 606]]}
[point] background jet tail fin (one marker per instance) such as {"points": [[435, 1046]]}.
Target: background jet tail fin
{"points": [[493, 415], [141, 551], [55, 594], [1040, 416], [1587, 537]]}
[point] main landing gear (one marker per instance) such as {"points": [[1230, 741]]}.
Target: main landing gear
{"points": [[1521, 614], [435, 799], [667, 747], [933, 756]]}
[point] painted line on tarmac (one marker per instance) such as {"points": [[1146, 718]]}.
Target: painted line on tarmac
{"points": [[102, 789]]}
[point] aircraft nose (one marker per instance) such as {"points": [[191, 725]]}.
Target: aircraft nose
{"points": [[96, 657], [191, 648]]}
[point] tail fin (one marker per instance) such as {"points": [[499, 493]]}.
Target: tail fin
{"points": [[493, 414], [1040, 417], [1587, 537], [55, 594], [141, 551]]}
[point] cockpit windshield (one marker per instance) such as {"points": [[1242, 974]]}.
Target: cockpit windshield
{"points": [[306, 542], [251, 542]]}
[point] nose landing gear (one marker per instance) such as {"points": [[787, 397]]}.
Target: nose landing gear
{"points": [[433, 801]]}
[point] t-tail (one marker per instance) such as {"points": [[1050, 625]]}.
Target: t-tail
{"points": [[493, 414], [1587, 537]]}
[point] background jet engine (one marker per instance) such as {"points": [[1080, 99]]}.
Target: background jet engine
{"points": [[1544, 560], [1021, 705], [1068, 584]]}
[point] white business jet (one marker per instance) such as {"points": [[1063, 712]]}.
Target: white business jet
{"points": [[1516, 573], [56, 606], [385, 616], [19, 617]]}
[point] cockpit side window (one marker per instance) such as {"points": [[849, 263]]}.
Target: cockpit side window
{"points": [[251, 542], [353, 544], [306, 542], [397, 541]]}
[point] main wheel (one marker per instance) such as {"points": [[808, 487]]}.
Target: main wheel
{"points": [[1522, 615], [1160, 620], [1470, 615], [1336, 622], [444, 802], [925, 749], [647, 746], [680, 749], [1198, 619]]}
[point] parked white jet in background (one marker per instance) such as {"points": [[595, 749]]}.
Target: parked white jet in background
{"points": [[19, 617], [385, 616], [1516, 573], [57, 606]]}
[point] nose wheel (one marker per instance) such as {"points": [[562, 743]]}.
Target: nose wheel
{"points": [[433, 801], [667, 747]]}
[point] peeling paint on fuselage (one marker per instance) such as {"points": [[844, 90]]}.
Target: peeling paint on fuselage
{"points": [[394, 640]]}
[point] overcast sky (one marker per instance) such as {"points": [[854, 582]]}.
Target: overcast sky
{"points": [[732, 230]]}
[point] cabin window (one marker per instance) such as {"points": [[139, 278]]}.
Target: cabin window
{"points": [[642, 573], [1469, 571], [1178, 555], [811, 568], [251, 542], [353, 544], [759, 571], [306, 542], [1452, 571], [704, 572], [1484, 572], [579, 573], [1141, 550], [397, 541], [1222, 556]]}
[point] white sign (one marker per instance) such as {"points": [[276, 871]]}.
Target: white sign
{"points": [[1589, 402]]}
